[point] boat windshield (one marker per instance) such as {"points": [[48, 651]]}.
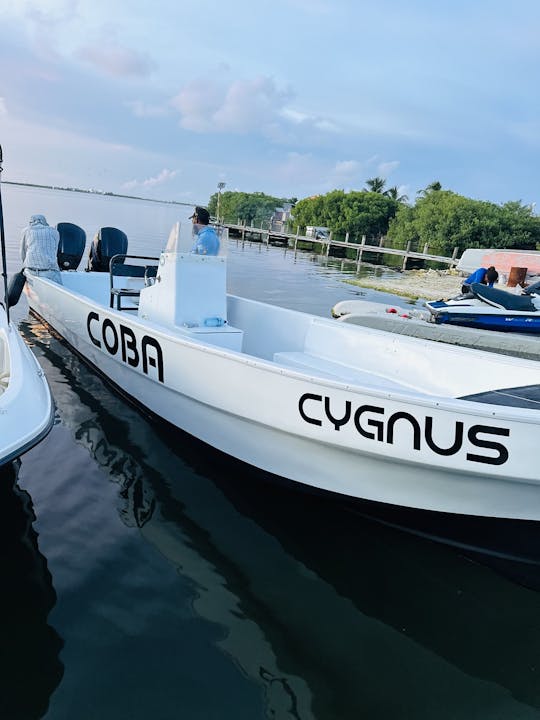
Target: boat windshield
{"points": [[198, 239]]}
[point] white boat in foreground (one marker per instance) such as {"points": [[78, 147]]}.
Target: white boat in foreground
{"points": [[354, 411], [26, 406]]}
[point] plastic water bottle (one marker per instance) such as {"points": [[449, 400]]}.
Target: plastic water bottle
{"points": [[214, 322]]}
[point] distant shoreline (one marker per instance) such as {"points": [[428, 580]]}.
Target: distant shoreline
{"points": [[98, 192]]}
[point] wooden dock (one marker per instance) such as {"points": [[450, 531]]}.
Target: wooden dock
{"points": [[270, 237]]}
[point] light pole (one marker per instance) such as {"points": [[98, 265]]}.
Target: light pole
{"points": [[220, 185]]}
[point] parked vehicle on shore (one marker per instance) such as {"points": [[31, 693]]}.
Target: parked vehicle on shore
{"points": [[317, 233]]}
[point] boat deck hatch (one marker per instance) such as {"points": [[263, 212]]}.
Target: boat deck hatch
{"points": [[523, 397]]}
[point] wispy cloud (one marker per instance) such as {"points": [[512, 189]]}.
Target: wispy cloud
{"points": [[410, 111], [142, 109], [346, 168], [117, 61], [387, 168], [243, 106], [248, 106], [305, 120], [161, 178], [48, 13]]}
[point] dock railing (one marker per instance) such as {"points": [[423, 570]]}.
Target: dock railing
{"points": [[269, 236]]}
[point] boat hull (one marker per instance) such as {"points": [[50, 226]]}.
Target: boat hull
{"points": [[26, 406], [505, 260], [291, 423], [400, 320], [501, 322]]}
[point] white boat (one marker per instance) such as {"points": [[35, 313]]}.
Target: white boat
{"points": [[503, 260], [354, 411], [26, 406], [420, 323]]}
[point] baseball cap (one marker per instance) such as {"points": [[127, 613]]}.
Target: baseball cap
{"points": [[202, 214]]}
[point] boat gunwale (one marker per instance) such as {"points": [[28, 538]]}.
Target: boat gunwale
{"points": [[35, 431], [455, 405]]}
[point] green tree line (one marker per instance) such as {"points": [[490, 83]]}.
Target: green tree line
{"points": [[253, 207], [440, 218]]}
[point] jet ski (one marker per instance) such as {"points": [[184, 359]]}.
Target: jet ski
{"points": [[488, 308]]}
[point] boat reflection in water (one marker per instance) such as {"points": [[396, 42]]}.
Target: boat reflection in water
{"points": [[331, 614], [30, 669]]}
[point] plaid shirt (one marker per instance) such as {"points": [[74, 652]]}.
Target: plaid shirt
{"points": [[39, 246]]}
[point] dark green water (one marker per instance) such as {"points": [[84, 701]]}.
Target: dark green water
{"points": [[144, 576]]}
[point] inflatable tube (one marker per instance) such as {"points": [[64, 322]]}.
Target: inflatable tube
{"points": [[15, 288]]}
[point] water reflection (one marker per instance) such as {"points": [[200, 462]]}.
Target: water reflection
{"points": [[330, 614], [30, 668]]}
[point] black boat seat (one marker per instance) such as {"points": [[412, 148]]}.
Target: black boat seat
{"points": [[119, 269]]}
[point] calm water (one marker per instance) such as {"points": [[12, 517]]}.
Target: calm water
{"points": [[146, 577]]}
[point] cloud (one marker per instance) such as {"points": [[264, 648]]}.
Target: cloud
{"points": [[243, 106], [163, 177], [296, 117], [197, 104], [142, 109], [3, 108], [297, 166], [387, 168], [46, 12], [350, 174], [248, 106], [117, 61], [346, 169]]}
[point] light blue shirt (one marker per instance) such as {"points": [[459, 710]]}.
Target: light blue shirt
{"points": [[206, 241]]}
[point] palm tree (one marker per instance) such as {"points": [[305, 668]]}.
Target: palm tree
{"points": [[432, 187], [376, 184], [393, 193]]}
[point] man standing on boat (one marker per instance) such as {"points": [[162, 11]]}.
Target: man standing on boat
{"points": [[39, 248], [206, 239]]}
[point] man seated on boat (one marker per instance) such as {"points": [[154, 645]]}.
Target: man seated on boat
{"points": [[206, 239], [39, 249], [486, 276]]}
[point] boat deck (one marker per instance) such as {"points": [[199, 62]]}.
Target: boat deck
{"points": [[323, 368], [523, 397]]}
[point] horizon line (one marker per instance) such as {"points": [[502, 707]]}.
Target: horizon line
{"points": [[100, 192]]}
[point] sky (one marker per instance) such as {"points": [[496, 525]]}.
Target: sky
{"points": [[166, 98]]}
